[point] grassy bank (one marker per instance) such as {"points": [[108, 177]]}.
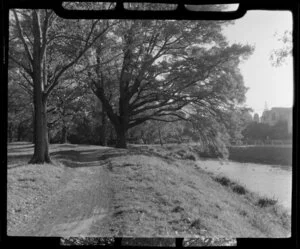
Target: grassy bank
{"points": [[156, 193], [28, 188]]}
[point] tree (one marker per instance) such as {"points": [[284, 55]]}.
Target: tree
{"points": [[257, 131], [19, 109], [46, 48], [86, 126], [159, 70], [64, 103], [279, 56]]}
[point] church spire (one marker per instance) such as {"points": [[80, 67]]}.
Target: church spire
{"points": [[266, 106]]}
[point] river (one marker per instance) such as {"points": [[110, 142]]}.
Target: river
{"points": [[266, 180]]}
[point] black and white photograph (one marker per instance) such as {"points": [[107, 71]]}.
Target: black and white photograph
{"points": [[150, 128]]}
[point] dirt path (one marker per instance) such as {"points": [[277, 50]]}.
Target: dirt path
{"points": [[80, 207]]}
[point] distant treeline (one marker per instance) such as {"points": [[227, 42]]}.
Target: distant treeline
{"points": [[274, 155]]}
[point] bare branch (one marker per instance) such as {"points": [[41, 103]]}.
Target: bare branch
{"points": [[21, 36], [76, 59], [28, 80], [27, 70]]}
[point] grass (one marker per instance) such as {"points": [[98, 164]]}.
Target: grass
{"points": [[266, 202], [28, 188], [223, 181], [167, 196], [235, 187], [156, 194]]}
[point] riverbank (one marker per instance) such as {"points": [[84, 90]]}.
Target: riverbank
{"points": [[153, 193]]}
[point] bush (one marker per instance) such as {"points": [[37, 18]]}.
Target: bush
{"points": [[239, 189], [266, 202], [223, 181], [236, 188], [190, 157]]}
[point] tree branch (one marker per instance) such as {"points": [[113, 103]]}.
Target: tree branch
{"points": [[26, 69], [76, 59], [21, 36]]}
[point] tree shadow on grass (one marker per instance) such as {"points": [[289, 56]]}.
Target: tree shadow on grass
{"points": [[17, 161], [20, 149], [95, 157], [86, 158]]}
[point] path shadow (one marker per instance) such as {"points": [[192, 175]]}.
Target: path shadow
{"points": [[75, 158], [79, 158], [95, 157]]}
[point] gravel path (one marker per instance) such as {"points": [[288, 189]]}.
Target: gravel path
{"points": [[80, 207]]}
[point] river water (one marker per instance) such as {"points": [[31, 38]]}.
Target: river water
{"points": [[266, 180]]}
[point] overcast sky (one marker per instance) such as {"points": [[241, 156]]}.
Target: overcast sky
{"points": [[268, 84]]}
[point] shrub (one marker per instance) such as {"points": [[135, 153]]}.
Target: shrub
{"points": [[265, 202], [190, 157], [223, 180], [239, 189]]}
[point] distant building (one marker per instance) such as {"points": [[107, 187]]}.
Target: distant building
{"points": [[256, 118], [276, 114]]}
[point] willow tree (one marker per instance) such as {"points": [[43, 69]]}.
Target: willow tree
{"points": [[158, 69], [46, 48]]}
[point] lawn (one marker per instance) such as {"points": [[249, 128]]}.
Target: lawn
{"points": [[156, 191]]}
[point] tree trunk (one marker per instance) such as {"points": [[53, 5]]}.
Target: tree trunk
{"points": [[19, 132], [10, 133], [160, 138], [41, 143], [121, 137], [103, 136], [64, 135]]}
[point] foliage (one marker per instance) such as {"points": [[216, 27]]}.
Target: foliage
{"points": [[279, 56], [46, 48], [265, 132], [19, 119], [265, 202], [156, 81], [159, 69], [264, 154]]}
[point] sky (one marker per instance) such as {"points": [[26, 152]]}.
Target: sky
{"points": [[268, 85]]}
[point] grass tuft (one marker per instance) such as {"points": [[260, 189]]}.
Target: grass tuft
{"points": [[197, 224], [235, 187], [239, 189], [223, 181], [266, 202], [177, 209], [190, 157]]}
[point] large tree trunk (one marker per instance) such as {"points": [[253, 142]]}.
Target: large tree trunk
{"points": [[41, 143], [121, 137]]}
